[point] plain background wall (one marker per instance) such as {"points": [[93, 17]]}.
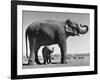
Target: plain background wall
{"points": [[5, 41]]}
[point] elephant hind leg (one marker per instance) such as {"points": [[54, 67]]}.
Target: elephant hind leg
{"points": [[44, 61], [36, 55], [36, 48], [31, 60]]}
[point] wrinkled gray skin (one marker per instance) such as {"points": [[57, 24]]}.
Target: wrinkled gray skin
{"points": [[50, 32], [46, 52]]}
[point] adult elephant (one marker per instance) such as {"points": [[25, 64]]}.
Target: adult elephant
{"points": [[50, 32]]}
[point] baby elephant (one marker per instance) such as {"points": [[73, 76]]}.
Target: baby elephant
{"points": [[46, 54]]}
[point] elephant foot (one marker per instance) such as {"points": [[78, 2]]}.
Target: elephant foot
{"points": [[38, 62], [49, 63], [44, 63], [31, 62], [63, 62]]}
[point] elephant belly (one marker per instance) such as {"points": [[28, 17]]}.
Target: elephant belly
{"points": [[47, 41], [47, 37]]}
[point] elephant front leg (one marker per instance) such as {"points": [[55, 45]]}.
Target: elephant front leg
{"points": [[62, 46]]}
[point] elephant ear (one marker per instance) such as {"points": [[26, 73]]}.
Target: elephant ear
{"points": [[68, 29]]}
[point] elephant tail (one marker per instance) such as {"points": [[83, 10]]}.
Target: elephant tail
{"points": [[26, 35]]}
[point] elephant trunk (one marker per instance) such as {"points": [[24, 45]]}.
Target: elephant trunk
{"points": [[82, 30]]}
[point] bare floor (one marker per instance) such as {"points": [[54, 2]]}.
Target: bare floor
{"points": [[72, 60]]}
